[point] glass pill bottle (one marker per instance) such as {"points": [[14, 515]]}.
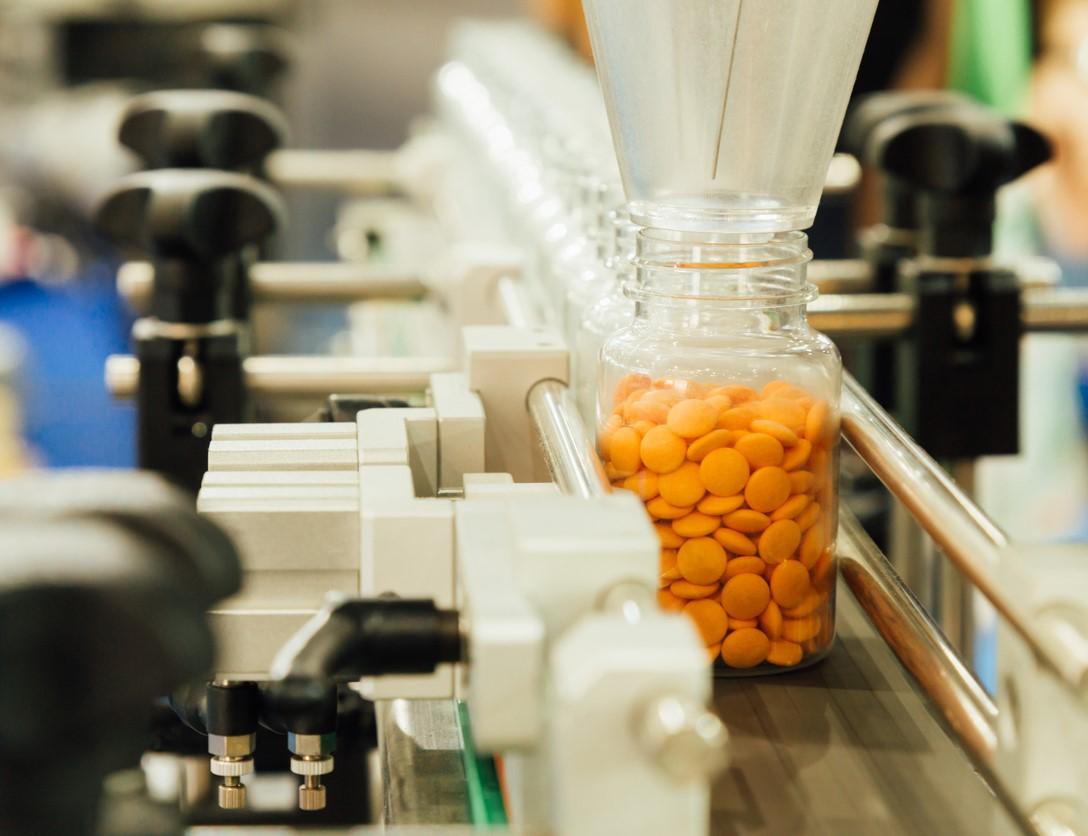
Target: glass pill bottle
{"points": [[719, 406]]}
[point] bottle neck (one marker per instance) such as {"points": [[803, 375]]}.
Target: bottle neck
{"points": [[703, 284]]}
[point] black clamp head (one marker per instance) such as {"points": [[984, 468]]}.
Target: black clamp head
{"points": [[957, 159], [862, 137], [202, 129], [247, 57], [195, 227]]}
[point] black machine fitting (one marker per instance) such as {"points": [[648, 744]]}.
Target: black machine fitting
{"points": [[373, 637], [196, 228], [202, 129]]}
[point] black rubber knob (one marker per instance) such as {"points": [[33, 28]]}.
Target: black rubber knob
{"points": [[202, 129], [956, 159], [194, 226], [232, 708], [246, 57]]}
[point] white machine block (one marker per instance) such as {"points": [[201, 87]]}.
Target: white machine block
{"points": [[496, 485], [503, 363], [461, 427], [504, 685], [467, 277], [282, 432], [401, 437], [248, 640], [290, 589], [568, 551], [258, 478], [284, 454], [604, 673]]}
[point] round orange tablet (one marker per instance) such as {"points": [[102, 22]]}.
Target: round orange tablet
{"points": [[817, 421], [745, 596], [785, 411], [668, 569], [737, 418], [659, 509], [696, 525], [797, 455], [709, 620], [701, 560], [744, 566], [643, 483], [784, 653], [724, 472], [662, 450], [643, 427], [770, 621], [801, 481], [713, 652], [687, 589], [733, 541], [747, 521], [739, 394], [812, 602], [786, 437], [800, 630], [767, 489], [745, 648], [779, 541], [683, 486], [760, 449], [791, 508], [789, 584], [742, 623], [692, 418], [812, 545], [668, 538], [667, 601], [713, 440], [717, 506], [623, 449], [644, 410], [665, 396]]}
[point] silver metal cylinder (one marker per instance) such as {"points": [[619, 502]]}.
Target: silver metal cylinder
{"points": [[568, 446], [356, 171], [959, 527], [287, 376]]}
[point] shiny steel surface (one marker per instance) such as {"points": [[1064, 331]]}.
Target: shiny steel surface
{"points": [[569, 448]]}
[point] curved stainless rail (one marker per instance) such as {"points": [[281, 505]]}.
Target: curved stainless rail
{"points": [[568, 446]]}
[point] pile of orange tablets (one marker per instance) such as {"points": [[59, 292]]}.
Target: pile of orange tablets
{"points": [[739, 485]]}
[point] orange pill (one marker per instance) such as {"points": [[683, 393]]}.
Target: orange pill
{"points": [[689, 590], [643, 483], [801, 481], [643, 427], [744, 566], [668, 538], [665, 396], [770, 621], [817, 421], [745, 648], [789, 584], [667, 601], [779, 541], [701, 560], [719, 401], [662, 450], [696, 525], [724, 472], [743, 623], [767, 489], [629, 383], [797, 456], [739, 394], [823, 572], [659, 509], [692, 418], [800, 630], [683, 486], [747, 521], [624, 450], [812, 545], [713, 652], [785, 436], [717, 506], [785, 411], [644, 410], [760, 449], [784, 653], [709, 620], [791, 508], [604, 436], [812, 602], [734, 542], [737, 418], [807, 518], [669, 571], [713, 440], [745, 596]]}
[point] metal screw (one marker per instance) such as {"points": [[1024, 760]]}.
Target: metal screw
{"points": [[311, 793], [232, 793]]}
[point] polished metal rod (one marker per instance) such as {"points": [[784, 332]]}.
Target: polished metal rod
{"points": [[325, 282], [358, 172], [959, 527], [962, 704], [274, 376], [568, 446]]}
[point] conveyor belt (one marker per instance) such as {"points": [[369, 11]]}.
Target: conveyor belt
{"points": [[849, 746]]}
